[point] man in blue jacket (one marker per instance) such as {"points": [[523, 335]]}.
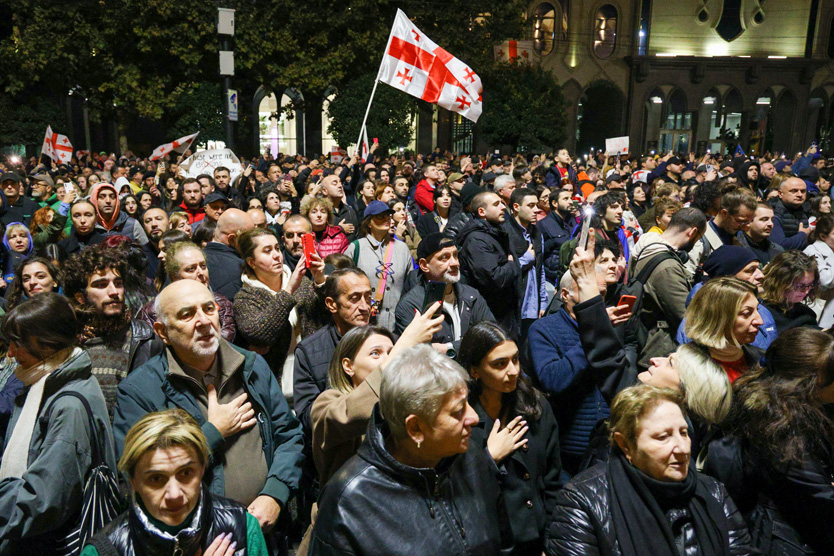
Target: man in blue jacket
{"points": [[254, 440], [560, 366]]}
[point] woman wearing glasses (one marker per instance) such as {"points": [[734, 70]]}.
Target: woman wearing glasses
{"points": [[791, 282]]}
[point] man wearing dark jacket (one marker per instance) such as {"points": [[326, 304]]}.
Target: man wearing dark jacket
{"points": [[117, 344], [487, 263], [790, 222], [555, 229], [347, 296], [223, 261], [462, 306], [459, 220], [254, 441], [526, 248], [17, 207]]}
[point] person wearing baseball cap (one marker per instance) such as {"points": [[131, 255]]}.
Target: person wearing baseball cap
{"points": [[463, 306], [674, 169], [17, 207], [742, 263], [386, 260]]}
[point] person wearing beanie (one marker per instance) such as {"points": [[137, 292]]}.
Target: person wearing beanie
{"points": [[456, 223], [811, 176], [742, 263]]}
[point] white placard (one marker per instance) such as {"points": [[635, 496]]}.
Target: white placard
{"points": [[616, 145], [205, 162]]}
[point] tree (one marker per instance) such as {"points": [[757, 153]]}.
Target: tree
{"points": [[199, 108], [390, 118], [523, 107]]}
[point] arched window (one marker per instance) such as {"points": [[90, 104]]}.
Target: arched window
{"points": [[268, 124], [544, 28], [327, 141], [605, 31]]}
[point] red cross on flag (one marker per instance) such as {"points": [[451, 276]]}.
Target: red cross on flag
{"points": [[180, 145], [416, 65], [56, 146], [514, 51]]}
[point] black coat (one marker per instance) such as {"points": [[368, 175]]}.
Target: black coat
{"points": [[429, 223], [519, 246], [312, 360], [21, 211], [789, 506], [472, 306], [484, 261], [555, 232], [530, 476], [72, 243], [224, 266], [453, 509], [582, 523]]}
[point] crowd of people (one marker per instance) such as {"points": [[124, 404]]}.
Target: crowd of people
{"points": [[432, 354]]}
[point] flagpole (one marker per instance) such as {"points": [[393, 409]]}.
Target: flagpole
{"points": [[185, 150], [367, 111]]}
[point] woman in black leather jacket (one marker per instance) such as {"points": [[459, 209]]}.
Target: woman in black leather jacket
{"points": [[645, 499], [782, 424], [517, 427], [416, 485], [165, 456]]}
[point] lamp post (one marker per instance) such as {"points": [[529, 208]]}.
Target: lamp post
{"points": [[226, 29]]}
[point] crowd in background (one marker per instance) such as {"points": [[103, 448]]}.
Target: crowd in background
{"points": [[429, 354]]}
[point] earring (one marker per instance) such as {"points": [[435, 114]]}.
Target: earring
{"points": [[418, 444]]}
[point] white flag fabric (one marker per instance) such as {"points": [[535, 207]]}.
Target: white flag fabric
{"points": [[416, 65], [364, 149], [520, 51], [56, 146], [179, 145]]}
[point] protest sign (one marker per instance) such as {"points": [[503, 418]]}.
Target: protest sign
{"points": [[205, 162]]}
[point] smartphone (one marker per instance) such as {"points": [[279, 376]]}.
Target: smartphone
{"points": [[628, 300], [376, 141], [309, 243], [434, 293], [69, 187], [497, 151]]}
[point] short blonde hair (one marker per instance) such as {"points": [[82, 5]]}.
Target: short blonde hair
{"points": [[176, 218], [632, 404], [711, 316], [705, 385], [162, 430]]}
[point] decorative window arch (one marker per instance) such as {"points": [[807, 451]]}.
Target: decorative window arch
{"points": [[605, 31]]}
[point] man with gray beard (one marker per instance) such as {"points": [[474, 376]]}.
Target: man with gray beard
{"points": [[462, 306], [254, 440]]}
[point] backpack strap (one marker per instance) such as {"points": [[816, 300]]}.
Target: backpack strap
{"points": [[646, 272], [97, 452], [355, 244]]}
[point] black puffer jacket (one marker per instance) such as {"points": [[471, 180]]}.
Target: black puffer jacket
{"points": [[132, 533], [454, 509], [582, 524]]}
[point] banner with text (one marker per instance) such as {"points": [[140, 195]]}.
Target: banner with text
{"points": [[206, 162], [616, 145]]}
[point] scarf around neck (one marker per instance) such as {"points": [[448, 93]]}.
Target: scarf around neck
{"points": [[638, 504]]}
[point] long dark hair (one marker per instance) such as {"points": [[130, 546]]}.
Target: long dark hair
{"points": [[776, 407], [475, 346], [16, 291]]}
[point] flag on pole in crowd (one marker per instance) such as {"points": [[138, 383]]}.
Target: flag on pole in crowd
{"points": [[364, 150], [739, 151], [509, 51], [416, 65], [180, 145], [56, 146]]}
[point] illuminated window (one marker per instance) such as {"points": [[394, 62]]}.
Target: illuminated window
{"points": [[544, 23], [327, 141], [605, 31]]}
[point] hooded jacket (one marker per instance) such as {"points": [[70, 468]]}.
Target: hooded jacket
{"points": [[484, 261], [455, 508], [118, 224], [13, 258]]}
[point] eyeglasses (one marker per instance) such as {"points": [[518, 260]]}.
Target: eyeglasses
{"points": [[741, 223], [800, 287]]}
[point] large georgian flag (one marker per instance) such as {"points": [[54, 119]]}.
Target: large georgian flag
{"points": [[180, 145], [416, 65], [56, 146]]}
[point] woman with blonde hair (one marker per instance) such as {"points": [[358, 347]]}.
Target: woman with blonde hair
{"points": [[165, 457], [724, 318]]}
